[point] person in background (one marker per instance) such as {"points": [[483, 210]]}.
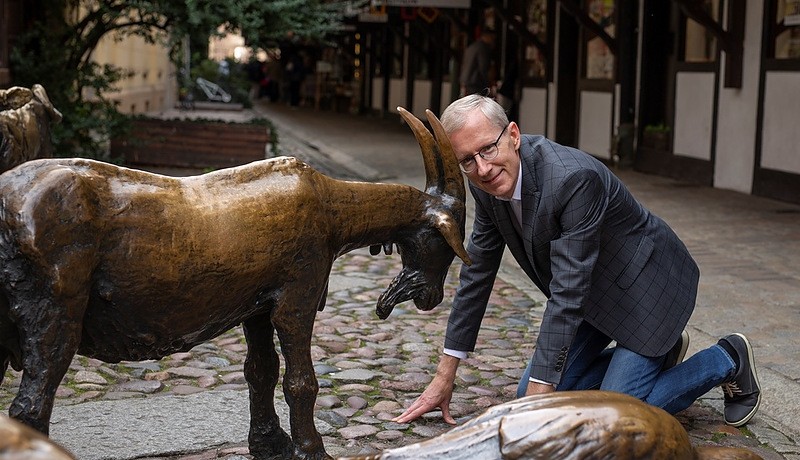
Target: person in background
{"points": [[612, 271], [477, 68]]}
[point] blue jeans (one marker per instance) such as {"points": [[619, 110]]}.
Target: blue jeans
{"points": [[591, 366]]}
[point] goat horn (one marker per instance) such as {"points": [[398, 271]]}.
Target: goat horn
{"points": [[430, 152], [453, 180]]}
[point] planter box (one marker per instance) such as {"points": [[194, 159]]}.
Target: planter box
{"points": [[192, 144]]}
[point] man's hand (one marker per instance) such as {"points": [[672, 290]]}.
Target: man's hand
{"points": [[539, 388], [438, 394]]}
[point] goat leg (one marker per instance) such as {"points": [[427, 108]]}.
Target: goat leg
{"points": [[266, 439]]}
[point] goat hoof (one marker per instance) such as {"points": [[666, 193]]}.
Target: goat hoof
{"points": [[275, 444]]}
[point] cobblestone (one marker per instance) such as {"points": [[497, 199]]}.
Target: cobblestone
{"points": [[370, 369]]}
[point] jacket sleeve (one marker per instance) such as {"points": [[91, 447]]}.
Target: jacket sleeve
{"points": [[485, 248], [579, 205]]}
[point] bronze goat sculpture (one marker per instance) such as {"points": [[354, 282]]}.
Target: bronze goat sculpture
{"points": [[25, 118], [119, 264], [567, 425], [21, 442]]}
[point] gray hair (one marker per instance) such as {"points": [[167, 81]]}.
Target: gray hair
{"points": [[455, 115]]}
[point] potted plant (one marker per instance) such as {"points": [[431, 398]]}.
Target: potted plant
{"points": [[657, 136]]}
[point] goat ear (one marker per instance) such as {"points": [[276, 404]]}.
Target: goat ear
{"points": [[449, 230]]}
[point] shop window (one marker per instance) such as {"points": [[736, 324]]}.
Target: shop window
{"points": [[421, 54], [535, 64], [394, 48], [786, 41], [599, 60], [699, 43]]}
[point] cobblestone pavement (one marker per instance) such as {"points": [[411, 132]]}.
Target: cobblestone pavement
{"points": [[368, 369]]}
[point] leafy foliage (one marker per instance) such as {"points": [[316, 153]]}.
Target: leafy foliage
{"points": [[57, 50]]}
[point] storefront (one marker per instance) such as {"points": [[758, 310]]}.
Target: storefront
{"points": [[701, 90]]}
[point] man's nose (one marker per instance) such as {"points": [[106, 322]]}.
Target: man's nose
{"points": [[482, 166]]}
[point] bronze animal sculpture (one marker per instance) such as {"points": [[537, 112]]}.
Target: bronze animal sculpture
{"points": [[569, 425], [25, 118], [119, 264], [21, 442]]}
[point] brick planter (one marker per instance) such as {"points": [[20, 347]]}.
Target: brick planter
{"points": [[192, 144]]}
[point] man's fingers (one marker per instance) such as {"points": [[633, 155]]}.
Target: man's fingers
{"points": [[446, 415], [411, 414], [414, 411]]}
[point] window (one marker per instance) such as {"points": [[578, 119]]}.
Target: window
{"points": [[599, 60], [387, 42], [699, 44], [535, 66], [787, 30]]}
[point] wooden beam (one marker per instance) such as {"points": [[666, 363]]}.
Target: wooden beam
{"points": [[575, 10], [516, 26], [731, 40]]}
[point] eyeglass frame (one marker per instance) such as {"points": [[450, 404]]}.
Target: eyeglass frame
{"points": [[484, 153]]}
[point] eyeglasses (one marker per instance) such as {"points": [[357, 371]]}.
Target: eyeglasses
{"points": [[468, 164]]}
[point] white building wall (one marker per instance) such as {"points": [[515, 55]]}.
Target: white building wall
{"points": [[738, 111], [152, 84], [780, 146], [422, 97], [397, 94], [594, 128], [694, 114], [533, 111]]}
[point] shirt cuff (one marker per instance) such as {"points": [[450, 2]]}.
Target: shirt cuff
{"points": [[455, 353], [531, 379]]}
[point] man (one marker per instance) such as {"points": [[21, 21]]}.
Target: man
{"points": [[611, 270], [477, 73]]}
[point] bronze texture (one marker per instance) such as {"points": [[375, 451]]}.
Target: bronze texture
{"points": [[25, 117], [568, 425], [120, 264]]}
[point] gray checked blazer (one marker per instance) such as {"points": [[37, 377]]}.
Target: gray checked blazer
{"points": [[590, 247]]}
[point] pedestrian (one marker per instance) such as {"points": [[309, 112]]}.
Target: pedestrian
{"points": [[477, 68], [611, 270]]}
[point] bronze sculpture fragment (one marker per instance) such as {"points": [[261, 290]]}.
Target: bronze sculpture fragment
{"points": [[21, 442], [120, 264], [25, 118], [569, 425]]}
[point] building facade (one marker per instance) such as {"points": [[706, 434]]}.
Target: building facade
{"points": [[151, 83], [701, 90]]}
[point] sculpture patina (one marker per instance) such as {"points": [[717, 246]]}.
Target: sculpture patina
{"points": [[569, 425], [21, 442], [119, 264], [25, 118]]}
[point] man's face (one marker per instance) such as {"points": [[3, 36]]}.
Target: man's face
{"points": [[496, 176]]}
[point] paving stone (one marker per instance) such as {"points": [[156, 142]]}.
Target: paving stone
{"points": [[357, 431], [186, 371], [89, 377], [329, 401], [139, 386], [358, 375], [379, 368]]}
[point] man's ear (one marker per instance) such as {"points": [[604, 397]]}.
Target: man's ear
{"points": [[513, 128]]}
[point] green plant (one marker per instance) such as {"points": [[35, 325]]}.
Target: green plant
{"points": [[657, 128], [88, 122]]}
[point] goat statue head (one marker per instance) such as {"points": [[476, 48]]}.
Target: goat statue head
{"points": [[428, 249], [26, 116]]}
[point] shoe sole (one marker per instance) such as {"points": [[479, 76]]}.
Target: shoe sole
{"points": [[684, 347], [752, 360], [681, 353]]}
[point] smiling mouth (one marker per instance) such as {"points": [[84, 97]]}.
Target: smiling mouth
{"points": [[493, 179]]}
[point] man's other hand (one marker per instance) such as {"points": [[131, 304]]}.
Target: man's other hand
{"points": [[438, 394]]}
